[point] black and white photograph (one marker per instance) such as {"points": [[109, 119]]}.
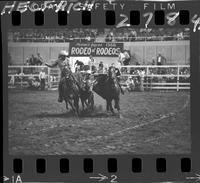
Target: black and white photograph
{"points": [[86, 91]]}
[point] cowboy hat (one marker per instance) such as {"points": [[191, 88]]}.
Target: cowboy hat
{"points": [[64, 53], [89, 71]]}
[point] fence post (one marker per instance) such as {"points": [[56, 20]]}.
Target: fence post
{"points": [[147, 78], [21, 76], [48, 73], [178, 69]]}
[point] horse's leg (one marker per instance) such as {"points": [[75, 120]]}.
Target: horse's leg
{"points": [[87, 102], [107, 105], [92, 101], [66, 104], [76, 104], [71, 104], [82, 102], [117, 104], [111, 108]]}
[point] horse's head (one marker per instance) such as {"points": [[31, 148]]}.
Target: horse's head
{"points": [[66, 72]]}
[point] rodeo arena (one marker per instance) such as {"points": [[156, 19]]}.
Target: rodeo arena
{"points": [[99, 91]]}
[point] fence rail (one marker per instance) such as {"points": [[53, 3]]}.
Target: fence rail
{"points": [[167, 77]]}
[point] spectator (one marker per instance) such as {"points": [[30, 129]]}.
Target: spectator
{"points": [[161, 60], [12, 80], [32, 60], [38, 59], [153, 61], [121, 58], [130, 84], [101, 67], [180, 36], [141, 74], [79, 66], [90, 35], [42, 77], [137, 63], [9, 59], [91, 60], [91, 64], [127, 57]]}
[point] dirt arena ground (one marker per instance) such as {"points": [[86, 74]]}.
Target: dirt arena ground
{"points": [[150, 123]]}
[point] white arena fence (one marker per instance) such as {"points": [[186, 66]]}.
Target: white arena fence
{"points": [[153, 77]]}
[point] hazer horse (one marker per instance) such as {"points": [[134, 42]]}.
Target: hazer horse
{"points": [[108, 88], [86, 94], [70, 90]]}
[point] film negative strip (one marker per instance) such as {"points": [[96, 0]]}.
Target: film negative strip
{"points": [[101, 91]]}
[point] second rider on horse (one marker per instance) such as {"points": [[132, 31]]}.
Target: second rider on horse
{"points": [[117, 74]]}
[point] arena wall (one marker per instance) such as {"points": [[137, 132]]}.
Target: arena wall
{"points": [[142, 52]]}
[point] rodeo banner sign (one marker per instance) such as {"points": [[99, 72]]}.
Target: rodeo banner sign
{"points": [[95, 49]]}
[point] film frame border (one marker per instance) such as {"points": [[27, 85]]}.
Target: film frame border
{"points": [[122, 158]]}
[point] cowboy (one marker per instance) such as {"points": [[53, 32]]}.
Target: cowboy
{"points": [[127, 57], [42, 77], [130, 84], [91, 64], [39, 59], [121, 58], [62, 62], [161, 60], [79, 65], [101, 67], [118, 74], [88, 82]]}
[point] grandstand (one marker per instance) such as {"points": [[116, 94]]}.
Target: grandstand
{"points": [[97, 35]]}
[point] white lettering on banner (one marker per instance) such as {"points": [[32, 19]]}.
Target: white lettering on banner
{"points": [[81, 51], [107, 51], [95, 49]]}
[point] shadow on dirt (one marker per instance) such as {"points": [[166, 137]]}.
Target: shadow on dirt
{"points": [[83, 114], [96, 113]]}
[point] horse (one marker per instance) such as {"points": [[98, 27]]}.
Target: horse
{"points": [[86, 94], [108, 88], [70, 90], [79, 65]]}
